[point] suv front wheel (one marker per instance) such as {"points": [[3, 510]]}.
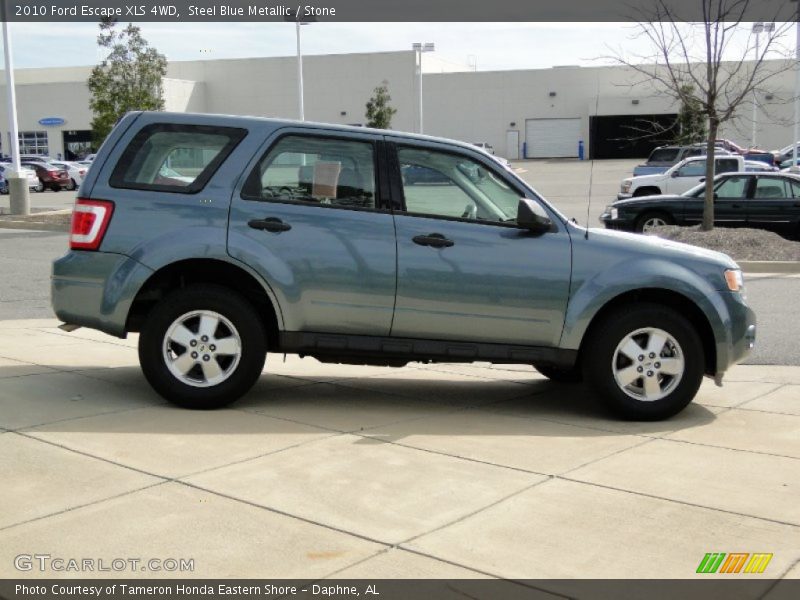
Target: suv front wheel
{"points": [[202, 347], [646, 361]]}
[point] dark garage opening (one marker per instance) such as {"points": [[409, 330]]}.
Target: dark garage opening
{"points": [[77, 144], [629, 136]]}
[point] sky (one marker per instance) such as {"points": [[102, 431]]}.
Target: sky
{"points": [[489, 46]]}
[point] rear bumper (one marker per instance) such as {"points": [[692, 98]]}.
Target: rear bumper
{"points": [[96, 289]]}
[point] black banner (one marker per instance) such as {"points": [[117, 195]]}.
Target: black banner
{"points": [[744, 587], [387, 10]]}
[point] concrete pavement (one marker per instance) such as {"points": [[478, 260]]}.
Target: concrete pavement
{"points": [[436, 471]]}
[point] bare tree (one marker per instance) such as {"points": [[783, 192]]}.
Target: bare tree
{"points": [[691, 62]]}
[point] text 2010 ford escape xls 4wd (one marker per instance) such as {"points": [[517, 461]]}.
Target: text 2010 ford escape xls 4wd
{"points": [[221, 238]]}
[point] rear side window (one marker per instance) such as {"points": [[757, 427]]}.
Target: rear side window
{"points": [[174, 158], [664, 155]]}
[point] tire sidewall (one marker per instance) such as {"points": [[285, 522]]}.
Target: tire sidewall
{"points": [[598, 368], [225, 302]]}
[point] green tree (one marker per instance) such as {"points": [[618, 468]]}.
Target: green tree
{"points": [[130, 77], [379, 113], [691, 123]]}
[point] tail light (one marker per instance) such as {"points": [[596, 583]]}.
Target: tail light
{"points": [[90, 219], [53, 173]]}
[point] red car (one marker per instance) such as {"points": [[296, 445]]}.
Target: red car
{"points": [[50, 176]]}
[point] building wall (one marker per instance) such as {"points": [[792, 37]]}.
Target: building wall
{"points": [[458, 103]]}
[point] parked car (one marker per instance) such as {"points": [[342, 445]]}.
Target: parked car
{"points": [[50, 176], [485, 146], [663, 157], [757, 166], [287, 241], [785, 154], [75, 171], [33, 179], [34, 158], [678, 178], [758, 200]]}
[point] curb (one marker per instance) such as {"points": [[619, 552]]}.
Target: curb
{"points": [[769, 266]]}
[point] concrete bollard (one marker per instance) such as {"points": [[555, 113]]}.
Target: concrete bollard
{"points": [[19, 195]]}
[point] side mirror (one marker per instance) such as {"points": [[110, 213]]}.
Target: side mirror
{"points": [[674, 174], [702, 179], [532, 216]]}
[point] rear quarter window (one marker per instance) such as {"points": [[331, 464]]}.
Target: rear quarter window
{"points": [[166, 157]]}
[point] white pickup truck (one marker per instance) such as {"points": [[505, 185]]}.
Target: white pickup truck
{"points": [[678, 178]]}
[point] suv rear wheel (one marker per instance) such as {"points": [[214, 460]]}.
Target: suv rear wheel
{"points": [[202, 347], [646, 362]]}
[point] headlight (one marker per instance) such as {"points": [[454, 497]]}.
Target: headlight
{"points": [[626, 186], [734, 279], [614, 213]]}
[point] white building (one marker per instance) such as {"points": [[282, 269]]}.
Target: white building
{"points": [[533, 113]]}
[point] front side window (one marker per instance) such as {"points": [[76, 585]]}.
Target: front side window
{"points": [[325, 171], [448, 185], [731, 187], [174, 158]]}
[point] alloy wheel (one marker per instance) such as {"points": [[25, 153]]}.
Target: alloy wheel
{"points": [[648, 364]]}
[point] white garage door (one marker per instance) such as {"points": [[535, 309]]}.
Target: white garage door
{"points": [[552, 138]]}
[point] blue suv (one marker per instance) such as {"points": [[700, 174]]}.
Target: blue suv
{"points": [[222, 238]]}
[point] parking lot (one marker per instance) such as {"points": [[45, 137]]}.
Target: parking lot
{"points": [[429, 471]]}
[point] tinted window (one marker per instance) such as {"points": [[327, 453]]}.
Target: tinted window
{"points": [[310, 169], [774, 187], [727, 165], [664, 155], [174, 158], [449, 185], [731, 187]]}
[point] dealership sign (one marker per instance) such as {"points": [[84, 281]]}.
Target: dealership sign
{"points": [[51, 121]]}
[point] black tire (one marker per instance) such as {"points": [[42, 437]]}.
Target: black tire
{"points": [[232, 307], [647, 191], [55, 187], [598, 354], [643, 219], [573, 375]]}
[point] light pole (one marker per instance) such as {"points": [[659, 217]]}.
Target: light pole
{"points": [[419, 48], [298, 22], [19, 199], [758, 29], [796, 91]]}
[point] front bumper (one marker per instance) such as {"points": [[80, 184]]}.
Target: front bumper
{"points": [[623, 224], [738, 344], [96, 289]]}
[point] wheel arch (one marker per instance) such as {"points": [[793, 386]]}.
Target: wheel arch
{"points": [[647, 190], [186, 272], [664, 297]]}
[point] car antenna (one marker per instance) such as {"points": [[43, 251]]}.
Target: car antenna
{"points": [[591, 168]]}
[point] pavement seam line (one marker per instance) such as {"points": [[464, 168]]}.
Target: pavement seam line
{"points": [[675, 501], [466, 516], [79, 506], [283, 513]]}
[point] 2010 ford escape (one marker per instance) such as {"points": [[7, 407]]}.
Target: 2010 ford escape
{"points": [[222, 238]]}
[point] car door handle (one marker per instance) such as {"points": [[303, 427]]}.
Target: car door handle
{"points": [[269, 224], [435, 240]]}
